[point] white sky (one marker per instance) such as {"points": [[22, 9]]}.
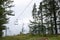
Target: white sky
{"points": [[24, 17]]}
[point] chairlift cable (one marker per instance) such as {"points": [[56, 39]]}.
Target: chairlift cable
{"points": [[23, 11]]}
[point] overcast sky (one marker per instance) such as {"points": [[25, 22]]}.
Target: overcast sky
{"points": [[22, 17]]}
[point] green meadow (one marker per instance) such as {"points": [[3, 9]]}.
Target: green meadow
{"points": [[31, 37]]}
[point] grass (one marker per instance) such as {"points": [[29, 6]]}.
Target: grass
{"points": [[30, 37]]}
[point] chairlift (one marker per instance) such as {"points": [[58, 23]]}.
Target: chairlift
{"points": [[16, 22]]}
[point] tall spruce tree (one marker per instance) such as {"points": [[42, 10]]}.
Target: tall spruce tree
{"points": [[47, 13], [52, 7], [40, 16], [37, 25], [34, 13], [4, 11]]}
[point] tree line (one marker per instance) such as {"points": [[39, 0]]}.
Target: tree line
{"points": [[46, 17]]}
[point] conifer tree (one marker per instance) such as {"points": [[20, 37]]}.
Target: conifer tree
{"points": [[4, 11], [48, 12], [52, 8]]}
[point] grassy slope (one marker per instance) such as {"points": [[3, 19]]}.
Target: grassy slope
{"points": [[29, 37]]}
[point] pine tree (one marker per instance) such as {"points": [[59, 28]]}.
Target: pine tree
{"points": [[36, 26], [40, 16], [4, 11]]}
